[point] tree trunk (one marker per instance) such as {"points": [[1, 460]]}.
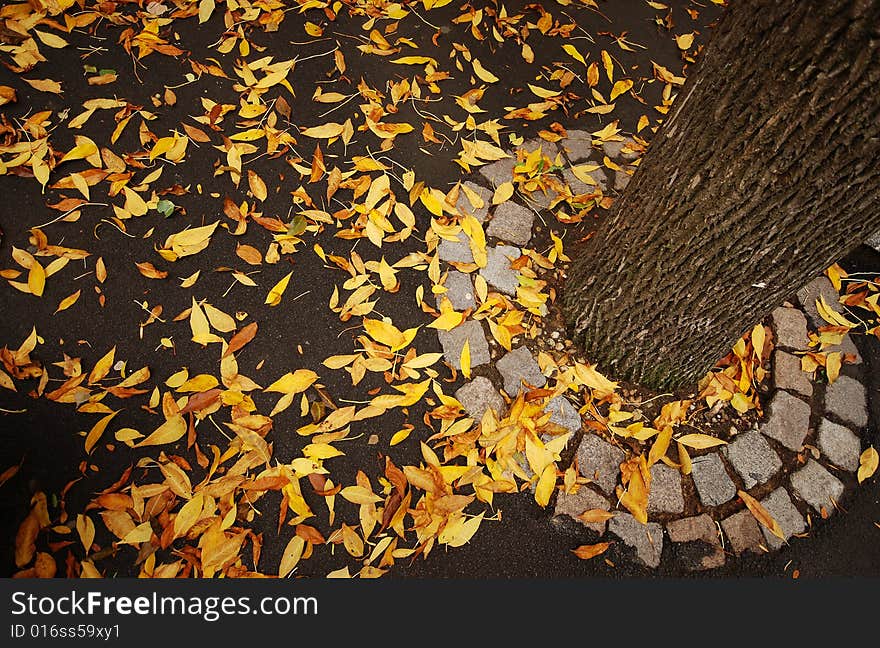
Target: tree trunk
{"points": [[766, 173]]}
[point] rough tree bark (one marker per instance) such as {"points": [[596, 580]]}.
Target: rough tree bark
{"points": [[766, 172]]}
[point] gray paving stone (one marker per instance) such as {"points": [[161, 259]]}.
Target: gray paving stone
{"points": [[787, 374], [790, 327], [714, 485], [459, 291], [464, 205], [512, 222], [457, 251], [874, 241], [743, 532], [612, 148], [816, 486], [840, 445], [453, 342], [579, 187], [518, 366], [540, 200], [621, 180], [789, 420], [807, 296], [479, 395], [499, 172], [701, 545], [665, 495], [631, 150], [563, 413], [780, 507], [752, 458], [498, 272], [646, 539], [600, 461], [585, 499], [846, 347], [846, 399], [579, 145]]}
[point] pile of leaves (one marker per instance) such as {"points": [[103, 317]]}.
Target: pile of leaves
{"points": [[290, 162]]}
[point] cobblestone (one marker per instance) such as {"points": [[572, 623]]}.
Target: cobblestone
{"points": [[752, 458], [585, 499], [846, 399], [453, 342], [463, 204], [665, 495], [459, 291], [518, 366], [646, 539], [789, 420], [479, 395], [787, 374], [511, 222], [743, 532], [817, 487], [780, 507], [563, 413], [456, 251], [840, 445], [714, 485], [807, 296], [498, 272], [700, 546], [600, 461], [499, 172], [790, 327]]}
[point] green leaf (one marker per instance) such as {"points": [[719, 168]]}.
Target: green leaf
{"points": [[165, 207]]}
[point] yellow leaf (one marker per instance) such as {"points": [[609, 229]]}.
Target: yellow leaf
{"points": [[84, 148], [465, 359], [684, 41], [571, 50], [97, 431], [546, 485], [86, 530], [621, 87], [200, 383], [169, 432], [294, 383], [102, 367], [292, 554], [400, 436], [359, 495], [388, 334], [643, 121], [188, 515], [661, 445], [761, 514], [758, 337], [503, 193], [700, 441], [482, 73], [867, 464], [460, 532], [449, 317], [248, 136], [274, 296], [51, 39], [206, 8], [684, 460], [609, 66], [415, 60], [325, 131], [544, 93], [36, 279], [832, 366], [585, 552]]}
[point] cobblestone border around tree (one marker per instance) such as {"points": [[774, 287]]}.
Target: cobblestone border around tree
{"points": [[799, 462]]}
